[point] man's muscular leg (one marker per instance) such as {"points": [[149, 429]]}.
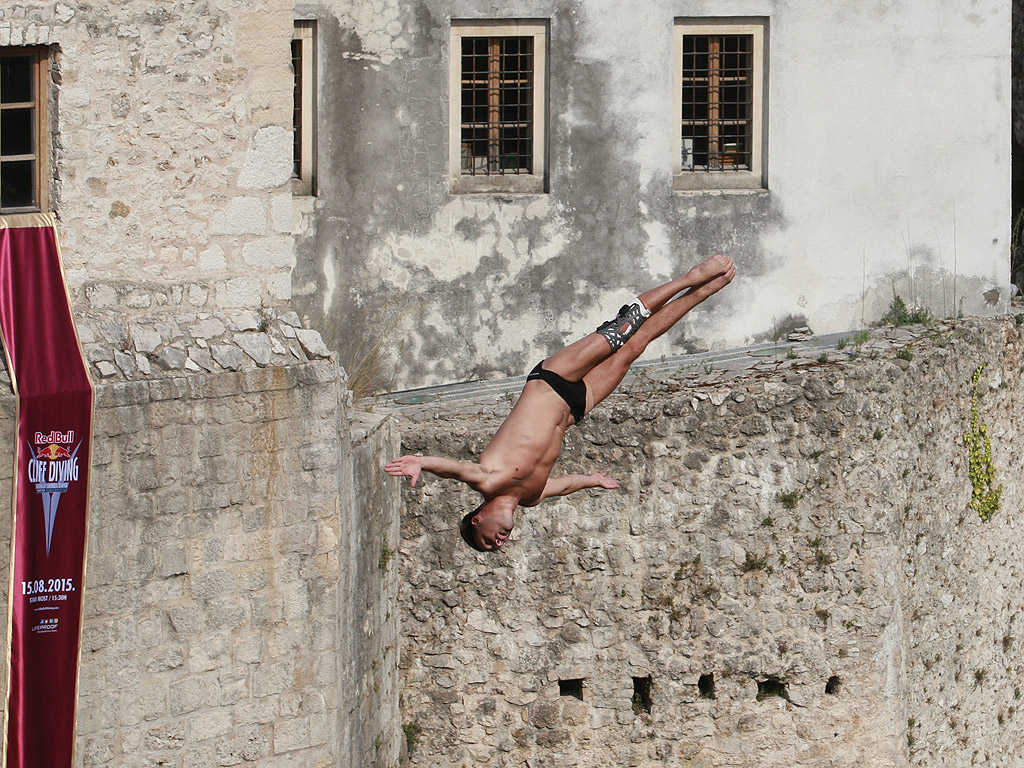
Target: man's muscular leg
{"points": [[575, 361], [603, 378]]}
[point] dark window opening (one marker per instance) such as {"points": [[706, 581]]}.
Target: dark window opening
{"points": [[297, 108], [642, 695], [572, 688], [706, 685], [771, 687], [497, 105], [21, 124], [833, 685], [718, 102], [303, 56]]}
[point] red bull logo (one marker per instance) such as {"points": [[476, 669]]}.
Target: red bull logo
{"points": [[53, 452], [55, 436]]}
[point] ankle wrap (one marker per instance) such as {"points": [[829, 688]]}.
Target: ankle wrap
{"points": [[631, 316]]}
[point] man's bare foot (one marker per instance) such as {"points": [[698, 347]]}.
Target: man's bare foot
{"points": [[656, 298], [709, 268], [716, 284]]}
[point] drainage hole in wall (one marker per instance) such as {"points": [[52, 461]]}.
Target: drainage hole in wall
{"points": [[833, 685], [766, 689], [642, 695], [572, 688], [706, 685]]}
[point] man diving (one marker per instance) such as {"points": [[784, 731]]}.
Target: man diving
{"points": [[514, 469]]}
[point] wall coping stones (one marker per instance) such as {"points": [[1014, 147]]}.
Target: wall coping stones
{"points": [[198, 386], [124, 349], [695, 378]]}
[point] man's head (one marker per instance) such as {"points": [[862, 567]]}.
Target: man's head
{"points": [[488, 526]]}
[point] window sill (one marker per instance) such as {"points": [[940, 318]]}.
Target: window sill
{"points": [[509, 184], [719, 192], [302, 187], [700, 181]]}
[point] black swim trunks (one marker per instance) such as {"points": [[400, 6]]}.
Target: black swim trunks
{"points": [[573, 392]]}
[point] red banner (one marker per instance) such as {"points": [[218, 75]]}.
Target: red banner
{"points": [[51, 495]]}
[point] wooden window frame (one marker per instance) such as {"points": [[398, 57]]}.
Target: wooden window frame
{"points": [[715, 178], [533, 181], [304, 111], [41, 130]]}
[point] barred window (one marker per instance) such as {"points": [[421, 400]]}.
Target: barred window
{"points": [[719, 86], [497, 106], [717, 102], [24, 129]]}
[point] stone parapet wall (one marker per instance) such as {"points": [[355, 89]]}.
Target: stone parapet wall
{"points": [[790, 576], [234, 605]]}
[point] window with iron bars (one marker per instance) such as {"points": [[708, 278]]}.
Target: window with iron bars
{"points": [[24, 129], [717, 91], [719, 85], [497, 110], [497, 105]]}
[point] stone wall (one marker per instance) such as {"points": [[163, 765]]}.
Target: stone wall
{"points": [[369, 682], [790, 576], [236, 603], [172, 150]]}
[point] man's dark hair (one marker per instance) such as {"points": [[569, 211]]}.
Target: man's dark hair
{"points": [[466, 529]]}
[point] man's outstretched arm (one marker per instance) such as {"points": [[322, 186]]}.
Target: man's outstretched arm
{"points": [[566, 484], [410, 466]]}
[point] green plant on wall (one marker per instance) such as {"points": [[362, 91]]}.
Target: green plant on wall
{"points": [[900, 314], [386, 554], [412, 737], [985, 493]]}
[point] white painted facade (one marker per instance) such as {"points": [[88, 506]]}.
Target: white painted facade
{"points": [[887, 171]]}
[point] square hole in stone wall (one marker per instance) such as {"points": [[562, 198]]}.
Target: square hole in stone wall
{"points": [[706, 685], [642, 694], [770, 688], [572, 688]]}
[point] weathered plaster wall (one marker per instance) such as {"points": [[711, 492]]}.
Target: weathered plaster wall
{"points": [[172, 131], [799, 526], [888, 168], [237, 608]]}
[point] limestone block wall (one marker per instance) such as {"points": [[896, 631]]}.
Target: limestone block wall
{"points": [[172, 149], [235, 597], [790, 575], [368, 685]]}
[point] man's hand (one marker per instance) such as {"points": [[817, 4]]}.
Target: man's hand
{"points": [[603, 481], [411, 466], [405, 466]]}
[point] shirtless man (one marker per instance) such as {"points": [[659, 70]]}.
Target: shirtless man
{"points": [[514, 470]]}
